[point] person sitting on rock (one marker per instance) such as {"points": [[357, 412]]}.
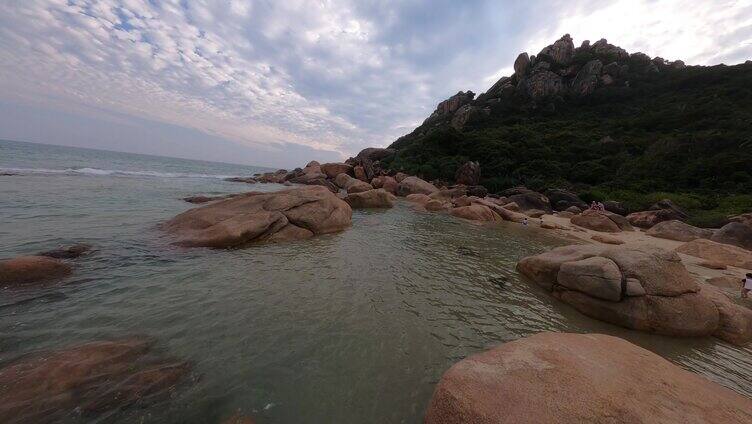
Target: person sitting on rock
{"points": [[601, 207], [747, 285], [593, 206]]}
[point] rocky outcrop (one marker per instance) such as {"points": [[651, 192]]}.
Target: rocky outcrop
{"points": [[735, 234], [86, 381], [579, 378], [521, 64], [468, 174], [679, 231], [647, 219], [602, 221], [414, 185], [377, 198], [25, 270], [476, 212], [331, 170], [717, 252], [560, 52], [653, 292], [562, 200], [352, 185], [261, 217], [375, 153]]}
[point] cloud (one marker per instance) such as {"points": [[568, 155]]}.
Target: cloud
{"points": [[330, 75]]}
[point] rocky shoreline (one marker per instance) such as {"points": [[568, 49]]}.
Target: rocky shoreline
{"points": [[647, 271]]}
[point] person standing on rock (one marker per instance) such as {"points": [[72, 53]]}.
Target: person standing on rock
{"points": [[747, 285]]}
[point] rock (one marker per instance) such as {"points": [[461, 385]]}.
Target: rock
{"points": [[351, 185], [386, 182], [450, 193], [667, 204], [414, 185], [717, 252], [725, 282], [574, 210], [587, 78], [677, 230], [418, 198], [375, 153], [436, 205], [377, 198], [24, 270], [86, 380], [521, 64], [745, 218], [68, 252], [564, 214], [535, 213], [476, 212], [607, 239], [734, 233], [712, 265], [607, 380], [452, 104], [512, 206], [647, 219], [468, 114], [531, 200], [255, 217], [477, 191], [360, 173], [563, 199], [333, 169], [400, 176], [597, 277], [561, 52], [461, 201], [468, 174], [247, 180], [735, 320], [202, 199], [595, 220], [615, 207], [670, 304], [552, 226], [542, 84]]}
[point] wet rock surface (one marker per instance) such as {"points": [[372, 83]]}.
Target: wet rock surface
{"points": [[578, 378], [27, 270], [86, 380]]}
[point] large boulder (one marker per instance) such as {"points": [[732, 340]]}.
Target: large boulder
{"points": [[255, 217], [579, 378], [562, 200], [602, 221], [25, 270], [386, 182], [677, 230], [667, 204], [375, 153], [529, 199], [647, 219], [560, 52], [86, 381], [333, 169], [615, 207], [521, 64], [468, 174], [377, 198], [717, 252], [419, 198], [476, 212], [655, 293], [745, 218], [734, 233], [414, 185], [352, 185], [735, 320]]}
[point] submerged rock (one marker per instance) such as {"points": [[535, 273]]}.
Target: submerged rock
{"points": [[255, 217], [25, 270], [85, 381], [579, 378], [68, 252]]}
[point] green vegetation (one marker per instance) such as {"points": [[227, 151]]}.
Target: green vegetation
{"points": [[683, 134]]}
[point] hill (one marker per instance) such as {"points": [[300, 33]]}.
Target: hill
{"points": [[604, 123]]}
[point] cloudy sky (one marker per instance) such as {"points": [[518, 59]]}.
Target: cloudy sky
{"points": [[277, 83]]}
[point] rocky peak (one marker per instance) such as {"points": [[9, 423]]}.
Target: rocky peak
{"points": [[560, 52], [453, 103]]}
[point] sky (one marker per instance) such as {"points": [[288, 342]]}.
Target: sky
{"points": [[279, 83]]}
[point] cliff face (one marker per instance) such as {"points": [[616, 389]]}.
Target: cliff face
{"points": [[595, 118], [559, 71]]}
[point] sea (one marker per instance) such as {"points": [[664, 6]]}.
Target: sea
{"points": [[353, 327]]}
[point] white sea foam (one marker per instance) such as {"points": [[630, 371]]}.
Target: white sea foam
{"points": [[105, 172]]}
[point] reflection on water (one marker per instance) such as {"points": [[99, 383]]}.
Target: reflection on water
{"points": [[351, 327]]}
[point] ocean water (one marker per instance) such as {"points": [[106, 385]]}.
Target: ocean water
{"points": [[355, 327]]}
